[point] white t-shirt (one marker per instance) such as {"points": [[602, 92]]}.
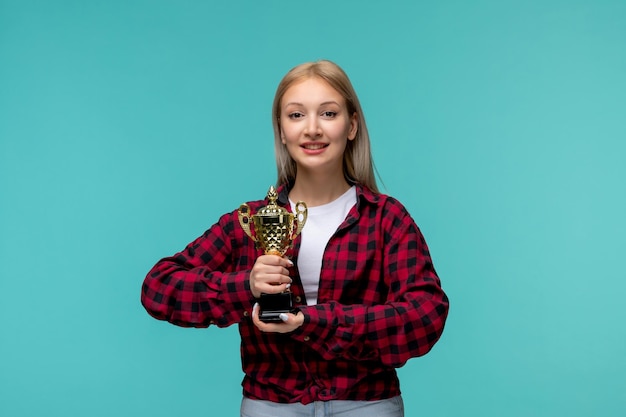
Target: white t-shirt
{"points": [[321, 223]]}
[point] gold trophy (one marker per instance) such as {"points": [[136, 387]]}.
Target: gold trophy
{"points": [[275, 228]]}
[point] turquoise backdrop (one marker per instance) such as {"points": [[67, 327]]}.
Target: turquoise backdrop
{"points": [[128, 127]]}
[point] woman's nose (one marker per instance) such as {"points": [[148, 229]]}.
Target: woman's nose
{"points": [[313, 127]]}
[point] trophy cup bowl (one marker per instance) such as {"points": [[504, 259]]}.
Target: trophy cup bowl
{"points": [[274, 229]]}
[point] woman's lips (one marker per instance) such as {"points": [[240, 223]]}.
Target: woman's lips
{"points": [[313, 148]]}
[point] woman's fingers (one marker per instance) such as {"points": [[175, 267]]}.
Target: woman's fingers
{"points": [[270, 275]]}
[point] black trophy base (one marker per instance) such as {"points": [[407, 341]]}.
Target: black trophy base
{"points": [[272, 305]]}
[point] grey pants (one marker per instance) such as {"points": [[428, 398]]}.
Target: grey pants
{"points": [[392, 407]]}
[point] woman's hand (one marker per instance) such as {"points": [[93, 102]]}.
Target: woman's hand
{"points": [[290, 322], [270, 275]]}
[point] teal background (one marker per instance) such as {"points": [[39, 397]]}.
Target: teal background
{"points": [[128, 127]]}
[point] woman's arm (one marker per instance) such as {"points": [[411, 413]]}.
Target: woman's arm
{"points": [[200, 285], [407, 325]]}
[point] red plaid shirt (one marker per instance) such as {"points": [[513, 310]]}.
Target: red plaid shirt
{"points": [[380, 303]]}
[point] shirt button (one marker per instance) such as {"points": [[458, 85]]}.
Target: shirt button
{"points": [[246, 314], [307, 338], [298, 299]]}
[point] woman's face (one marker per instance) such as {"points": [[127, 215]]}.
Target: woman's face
{"points": [[315, 125]]}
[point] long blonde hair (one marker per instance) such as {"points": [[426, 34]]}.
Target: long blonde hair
{"points": [[358, 166]]}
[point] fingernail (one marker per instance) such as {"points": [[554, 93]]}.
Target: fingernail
{"points": [[283, 316], [287, 286], [290, 262]]}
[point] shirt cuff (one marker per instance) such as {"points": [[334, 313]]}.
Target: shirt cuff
{"points": [[315, 329], [235, 292]]}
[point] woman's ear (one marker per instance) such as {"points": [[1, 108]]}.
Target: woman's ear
{"points": [[280, 129], [354, 126]]}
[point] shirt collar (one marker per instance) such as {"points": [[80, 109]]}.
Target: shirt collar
{"points": [[362, 193]]}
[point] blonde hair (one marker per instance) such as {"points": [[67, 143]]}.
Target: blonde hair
{"points": [[358, 166]]}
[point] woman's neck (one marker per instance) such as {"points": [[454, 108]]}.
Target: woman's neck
{"points": [[318, 191]]}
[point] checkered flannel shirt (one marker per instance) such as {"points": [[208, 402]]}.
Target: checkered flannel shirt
{"points": [[380, 303]]}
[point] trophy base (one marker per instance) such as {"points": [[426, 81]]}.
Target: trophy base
{"points": [[273, 305]]}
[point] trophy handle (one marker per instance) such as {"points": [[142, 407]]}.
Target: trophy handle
{"points": [[244, 219], [301, 213]]}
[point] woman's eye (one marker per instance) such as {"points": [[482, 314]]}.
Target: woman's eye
{"points": [[329, 114], [295, 115]]}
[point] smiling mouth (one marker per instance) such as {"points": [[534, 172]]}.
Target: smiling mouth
{"points": [[314, 146]]}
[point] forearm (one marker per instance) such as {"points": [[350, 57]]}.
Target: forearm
{"points": [[195, 297], [405, 322], [202, 285], [391, 333]]}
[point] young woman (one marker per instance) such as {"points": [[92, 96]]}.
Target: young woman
{"points": [[366, 293]]}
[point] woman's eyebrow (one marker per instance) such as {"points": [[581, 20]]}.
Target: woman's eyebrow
{"points": [[295, 103]]}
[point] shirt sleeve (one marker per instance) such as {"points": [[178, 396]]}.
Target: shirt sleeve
{"points": [[198, 286], [407, 325]]}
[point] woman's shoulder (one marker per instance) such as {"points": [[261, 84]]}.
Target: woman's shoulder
{"points": [[388, 208], [377, 198]]}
